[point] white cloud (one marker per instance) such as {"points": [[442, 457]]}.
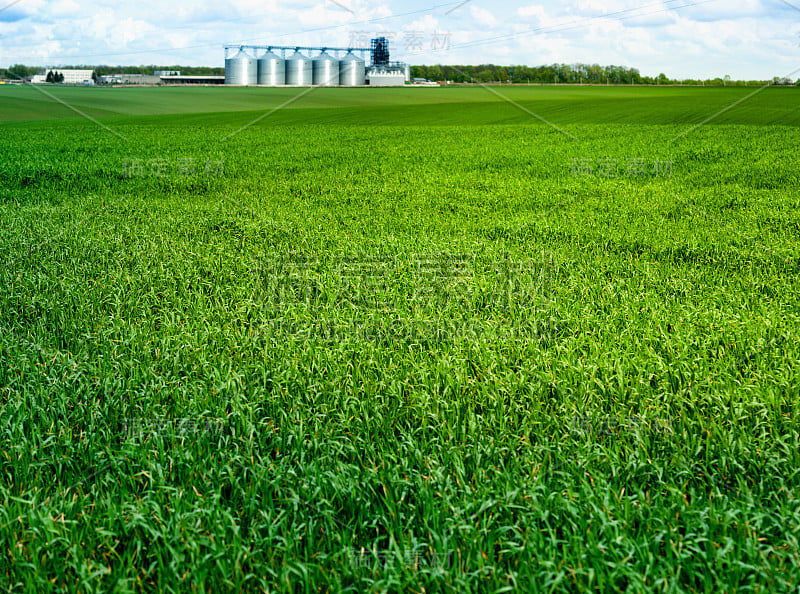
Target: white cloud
{"points": [[482, 17], [744, 38], [605, 6], [64, 8], [538, 15], [324, 14]]}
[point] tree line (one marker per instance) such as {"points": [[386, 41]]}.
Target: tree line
{"points": [[184, 70], [484, 73], [20, 71], [566, 74]]}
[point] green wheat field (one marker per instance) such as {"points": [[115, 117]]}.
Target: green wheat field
{"points": [[421, 339]]}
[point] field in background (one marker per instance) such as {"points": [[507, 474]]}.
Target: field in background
{"points": [[430, 342], [416, 106]]}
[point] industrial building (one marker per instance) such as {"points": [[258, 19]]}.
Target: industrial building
{"points": [[129, 79], [159, 77], [347, 69], [188, 79], [71, 77]]}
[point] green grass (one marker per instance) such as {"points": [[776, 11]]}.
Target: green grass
{"points": [[400, 346], [443, 105]]}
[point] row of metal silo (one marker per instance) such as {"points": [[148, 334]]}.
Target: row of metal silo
{"points": [[270, 69]]}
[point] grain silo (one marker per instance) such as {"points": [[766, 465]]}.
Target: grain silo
{"points": [[325, 70], [298, 69], [271, 70], [274, 68], [241, 69], [352, 71]]}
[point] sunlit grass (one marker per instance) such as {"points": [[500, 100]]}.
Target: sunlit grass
{"points": [[398, 357]]}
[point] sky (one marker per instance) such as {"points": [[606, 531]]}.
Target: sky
{"points": [[745, 39]]}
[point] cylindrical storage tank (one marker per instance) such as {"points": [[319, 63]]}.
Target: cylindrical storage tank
{"points": [[241, 69], [298, 69], [271, 70], [326, 70], [352, 71], [407, 72]]}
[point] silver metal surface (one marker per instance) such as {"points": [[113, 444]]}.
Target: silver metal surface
{"points": [[325, 70], [352, 71], [298, 69], [241, 69], [271, 70]]}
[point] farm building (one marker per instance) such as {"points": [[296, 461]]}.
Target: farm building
{"points": [[343, 66], [192, 80], [71, 77], [129, 79]]}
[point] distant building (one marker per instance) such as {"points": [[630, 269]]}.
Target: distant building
{"points": [[129, 79], [71, 77], [193, 80], [386, 76], [167, 73]]}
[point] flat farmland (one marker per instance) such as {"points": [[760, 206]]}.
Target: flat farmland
{"points": [[429, 339]]}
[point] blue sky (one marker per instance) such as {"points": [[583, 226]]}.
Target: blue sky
{"points": [[683, 38]]}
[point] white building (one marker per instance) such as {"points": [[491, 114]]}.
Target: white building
{"points": [[71, 77], [129, 79], [386, 76]]}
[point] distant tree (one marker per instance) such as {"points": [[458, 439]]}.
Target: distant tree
{"points": [[564, 73], [20, 71], [484, 76], [49, 77], [435, 73]]}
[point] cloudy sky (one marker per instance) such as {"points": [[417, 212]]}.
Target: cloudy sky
{"points": [[755, 39]]}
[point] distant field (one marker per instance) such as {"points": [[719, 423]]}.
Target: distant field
{"points": [[400, 340], [455, 105]]}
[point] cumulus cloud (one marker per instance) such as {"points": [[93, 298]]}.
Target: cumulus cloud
{"points": [[482, 17], [744, 38], [536, 14]]}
